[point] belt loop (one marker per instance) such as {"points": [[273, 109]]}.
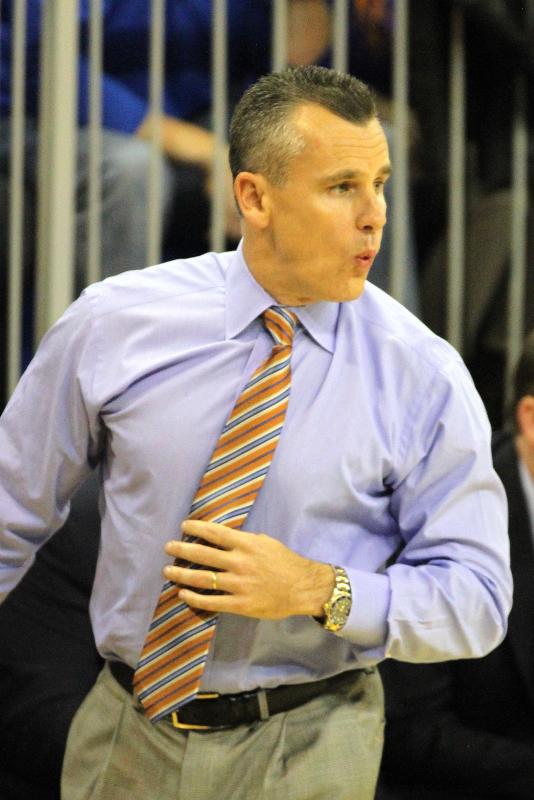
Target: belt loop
{"points": [[263, 705]]}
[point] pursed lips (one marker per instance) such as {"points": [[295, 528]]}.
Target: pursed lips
{"points": [[366, 257]]}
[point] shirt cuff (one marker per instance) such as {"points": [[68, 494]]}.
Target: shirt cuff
{"points": [[367, 626]]}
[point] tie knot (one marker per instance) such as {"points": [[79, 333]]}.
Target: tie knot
{"points": [[281, 324]]}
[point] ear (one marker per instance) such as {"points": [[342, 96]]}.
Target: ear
{"points": [[252, 195], [525, 418]]}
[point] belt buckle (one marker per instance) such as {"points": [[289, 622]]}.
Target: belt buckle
{"points": [[186, 726]]}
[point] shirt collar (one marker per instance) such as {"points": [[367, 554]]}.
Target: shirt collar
{"points": [[246, 300]]}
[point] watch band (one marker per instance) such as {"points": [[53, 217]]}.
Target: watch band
{"points": [[337, 607]]}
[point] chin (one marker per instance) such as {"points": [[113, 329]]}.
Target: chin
{"points": [[352, 292]]}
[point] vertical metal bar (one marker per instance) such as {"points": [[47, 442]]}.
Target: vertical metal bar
{"points": [[457, 206], [518, 240], [46, 45], [219, 121], [43, 168], [157, 57], [529, 17], [399, 188], [340, 30], [16, 195], [279, 35], [94, 208], [57, 163]]}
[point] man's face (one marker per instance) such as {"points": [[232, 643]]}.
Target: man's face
{"points": [[326, 220]]}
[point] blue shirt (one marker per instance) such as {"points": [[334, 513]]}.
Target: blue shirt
{"points": [[385, 449], [126, 31]]}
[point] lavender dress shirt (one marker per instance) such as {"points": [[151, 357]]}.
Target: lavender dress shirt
{"points": [[383, 466]]}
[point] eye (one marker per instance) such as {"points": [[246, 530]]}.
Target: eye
{"points": [[342, 188], [379, 186]]}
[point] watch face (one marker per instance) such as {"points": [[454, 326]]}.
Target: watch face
{"points": [[340, 611]]}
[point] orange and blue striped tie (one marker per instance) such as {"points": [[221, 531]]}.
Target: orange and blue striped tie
{"points": [[176, 648]]}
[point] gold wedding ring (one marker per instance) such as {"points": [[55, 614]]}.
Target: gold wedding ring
{"points": [[214, 581]]}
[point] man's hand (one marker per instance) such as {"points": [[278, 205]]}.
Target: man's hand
{"points": [[257, 576]]}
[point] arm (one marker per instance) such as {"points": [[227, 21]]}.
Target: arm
{"points": [[181, 140], [449, 591], [192, 144], [451, 586], [122, 109], [50, 436]]}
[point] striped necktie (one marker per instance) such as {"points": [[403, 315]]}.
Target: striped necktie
{"points": [[170, 669]]}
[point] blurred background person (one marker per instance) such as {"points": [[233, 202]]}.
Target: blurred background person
{"points": [[187, 142], [48, 657], [498, 49]]}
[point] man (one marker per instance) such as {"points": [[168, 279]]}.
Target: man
{"points": [[382, 446], [466, 728]]}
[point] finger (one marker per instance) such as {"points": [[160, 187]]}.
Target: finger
{"points": [[208, 602], [195, 553], [207, 580], [214, 533]]}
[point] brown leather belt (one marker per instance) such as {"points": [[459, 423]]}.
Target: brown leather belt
{"points": [[209, 712]]}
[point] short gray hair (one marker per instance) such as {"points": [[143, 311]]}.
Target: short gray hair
{"points": [[262, 138]]}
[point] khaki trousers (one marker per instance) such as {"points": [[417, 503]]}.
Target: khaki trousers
{"points": [[328, 748]]}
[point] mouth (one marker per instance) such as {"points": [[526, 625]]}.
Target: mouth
{"points": [[365, 258]]}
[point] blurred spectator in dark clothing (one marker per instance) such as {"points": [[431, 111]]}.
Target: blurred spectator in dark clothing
{"points": [[48, 658], [498, 47], [371, 30]]}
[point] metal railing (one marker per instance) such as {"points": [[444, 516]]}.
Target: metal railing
{"points": [[56, 244]]}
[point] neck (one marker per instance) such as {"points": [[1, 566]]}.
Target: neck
{"points": [[268, 272]]}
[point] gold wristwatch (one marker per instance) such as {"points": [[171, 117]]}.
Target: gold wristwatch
{"points": [[337, 608]]}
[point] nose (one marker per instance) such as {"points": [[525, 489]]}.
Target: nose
{"points": [[372, 212]]}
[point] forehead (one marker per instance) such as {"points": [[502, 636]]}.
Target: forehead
{"points": [[333, 143]]}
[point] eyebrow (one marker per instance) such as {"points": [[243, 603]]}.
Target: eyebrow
{"points": [[351, 174]]}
